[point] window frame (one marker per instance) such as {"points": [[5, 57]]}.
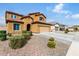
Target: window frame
{"points": [[13, 16], [41, 18], [16, 26]]}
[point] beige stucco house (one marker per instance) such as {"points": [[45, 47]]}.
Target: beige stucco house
{"points": [[35, 22]]}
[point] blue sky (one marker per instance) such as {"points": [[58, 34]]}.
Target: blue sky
{"points": [[65, 13]]}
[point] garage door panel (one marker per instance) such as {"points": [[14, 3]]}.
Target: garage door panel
{"points": [[44, 29]]}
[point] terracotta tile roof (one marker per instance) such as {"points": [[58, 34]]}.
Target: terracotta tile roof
{"points": [[2, 28], [34, 13], [26, 17], [37, 13], [11, 20], [41, 23], [14, 13]]}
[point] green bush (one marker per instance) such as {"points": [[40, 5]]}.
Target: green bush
{"points": [[2, 31], [51, 39], [2, 35], [51, 43], [27, 34], [17, 42], [66, 31]]}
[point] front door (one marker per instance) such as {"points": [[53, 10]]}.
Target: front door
{"points": [[28, 27]]}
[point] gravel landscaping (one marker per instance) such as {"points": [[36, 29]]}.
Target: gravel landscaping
{"points": [[36, 46]]}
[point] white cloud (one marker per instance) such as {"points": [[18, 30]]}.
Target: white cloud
{"points": [[67, 16], [75, 16], [60, 9], [49, 20]]}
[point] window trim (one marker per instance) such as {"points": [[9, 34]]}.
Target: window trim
{"points": [[13, 16], [16, 26], [41, 17]]}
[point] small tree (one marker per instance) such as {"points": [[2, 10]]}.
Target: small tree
{"points": [[75, 29], [66, 31]]}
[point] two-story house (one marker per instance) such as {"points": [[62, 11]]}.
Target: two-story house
{"points": [[35, 22], [57, 26]]}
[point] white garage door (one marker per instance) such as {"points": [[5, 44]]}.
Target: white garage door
{"points": [[44, 29]]}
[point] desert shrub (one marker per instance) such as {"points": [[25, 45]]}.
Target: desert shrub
{"points": [[2, 35], [9, 34], [51, 43], [66, 31], [27, 34], [17, 42], [51, 39]]}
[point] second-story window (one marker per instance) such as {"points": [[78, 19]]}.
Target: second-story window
{"points": [[13, 16], [40, 19]]}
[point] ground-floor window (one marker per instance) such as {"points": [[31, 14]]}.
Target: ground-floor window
{"points": [[16, 26]]}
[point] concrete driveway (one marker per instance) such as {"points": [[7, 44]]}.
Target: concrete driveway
{"points": [[60, 36]]}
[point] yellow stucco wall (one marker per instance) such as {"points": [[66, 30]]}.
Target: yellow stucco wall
{"points": [[26, 21], [10, 28], [36, 18], [34, 28]]}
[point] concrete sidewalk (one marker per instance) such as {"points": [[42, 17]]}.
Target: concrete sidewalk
{"points": [[74, 49]]}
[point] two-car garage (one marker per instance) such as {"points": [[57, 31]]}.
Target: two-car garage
{"points": [[40, 27], [44, 29]]}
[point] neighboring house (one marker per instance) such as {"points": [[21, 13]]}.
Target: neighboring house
{"points": [[57, 26], [2, 28], [35, 22], [62, 27], [70, 29], [73, 28]]}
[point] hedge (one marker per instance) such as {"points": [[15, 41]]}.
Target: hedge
{"points": [[2, 35]]}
